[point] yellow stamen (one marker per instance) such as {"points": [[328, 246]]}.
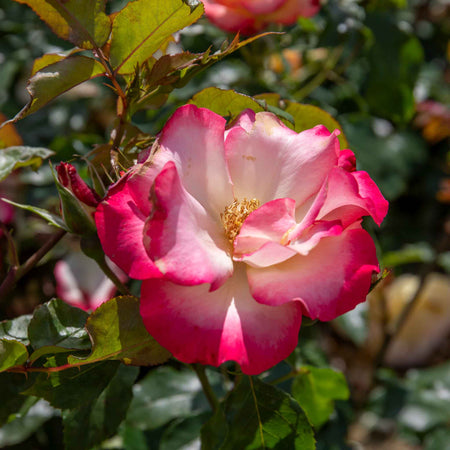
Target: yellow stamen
{"points": [[234, 215]]}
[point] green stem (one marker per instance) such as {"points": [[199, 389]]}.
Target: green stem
{"points": [[207, 389]]}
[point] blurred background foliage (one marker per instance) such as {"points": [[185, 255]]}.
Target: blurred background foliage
{"points": [[381, 68]]}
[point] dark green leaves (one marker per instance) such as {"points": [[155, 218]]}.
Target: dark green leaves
{"points": [[316, 389], [395, 61], [59, 324], [258, 416], [99, 419], [82, 22], [143, 26], [72, 387], [117, 332], [11, 158]]}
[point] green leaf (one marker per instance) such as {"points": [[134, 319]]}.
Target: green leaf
{"points": [[417, 252], [50, 58], [308, 116], [28, 420], [58, 324], [226, 103], [82, 22], [427, 405], [183, 434], [257, 416], [12, 158], [49, 350], [12, 385], [142, 26], [52, 219], [394, 59], [55, 79], [316, 389], [117, 332], [88, 426], [165, 394], [65, 387], [438, 439], [12, 353], [16, 329]]}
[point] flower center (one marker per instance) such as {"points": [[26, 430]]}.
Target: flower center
{"points": [[234, 215]]}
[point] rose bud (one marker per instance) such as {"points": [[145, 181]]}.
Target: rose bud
{"points": [[78, 200]]}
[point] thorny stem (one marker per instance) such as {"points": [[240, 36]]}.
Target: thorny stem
{"points": [[120, 128], [17, 272], [207, 389]]}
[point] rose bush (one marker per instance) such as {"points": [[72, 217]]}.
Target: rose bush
{"points": [[250, 16], [237, 232]]}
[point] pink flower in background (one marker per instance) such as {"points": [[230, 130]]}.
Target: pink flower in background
{"points": [[237, 233], [250, 16], [80, 282]]}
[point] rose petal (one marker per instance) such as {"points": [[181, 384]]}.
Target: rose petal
{"points": [[120, 227], [199, 326], [352, 195], [292, 9], [188, 246], [312, 236], [269, 223], [260, 238], [332, 279], [271, 161], [194, 138]]}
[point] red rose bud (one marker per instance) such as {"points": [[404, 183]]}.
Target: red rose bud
{"points": [[69, 178], [78, 200]]}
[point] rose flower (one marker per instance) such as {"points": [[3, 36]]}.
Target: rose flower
{"points": [[237, 232], [250, 16]]}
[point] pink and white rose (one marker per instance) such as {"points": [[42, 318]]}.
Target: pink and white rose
{"points": [[238, 232], [250, 16]]}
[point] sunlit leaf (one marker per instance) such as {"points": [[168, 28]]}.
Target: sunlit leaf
{"points": [[82, 22], [9, 137], [16, 329], [13, 158], [51, 218], [50, 58], [315, 389], [117, 332], [308, 116], [57, 78], [225, 102], [256, 416], [12, 353], [142, 26]]}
